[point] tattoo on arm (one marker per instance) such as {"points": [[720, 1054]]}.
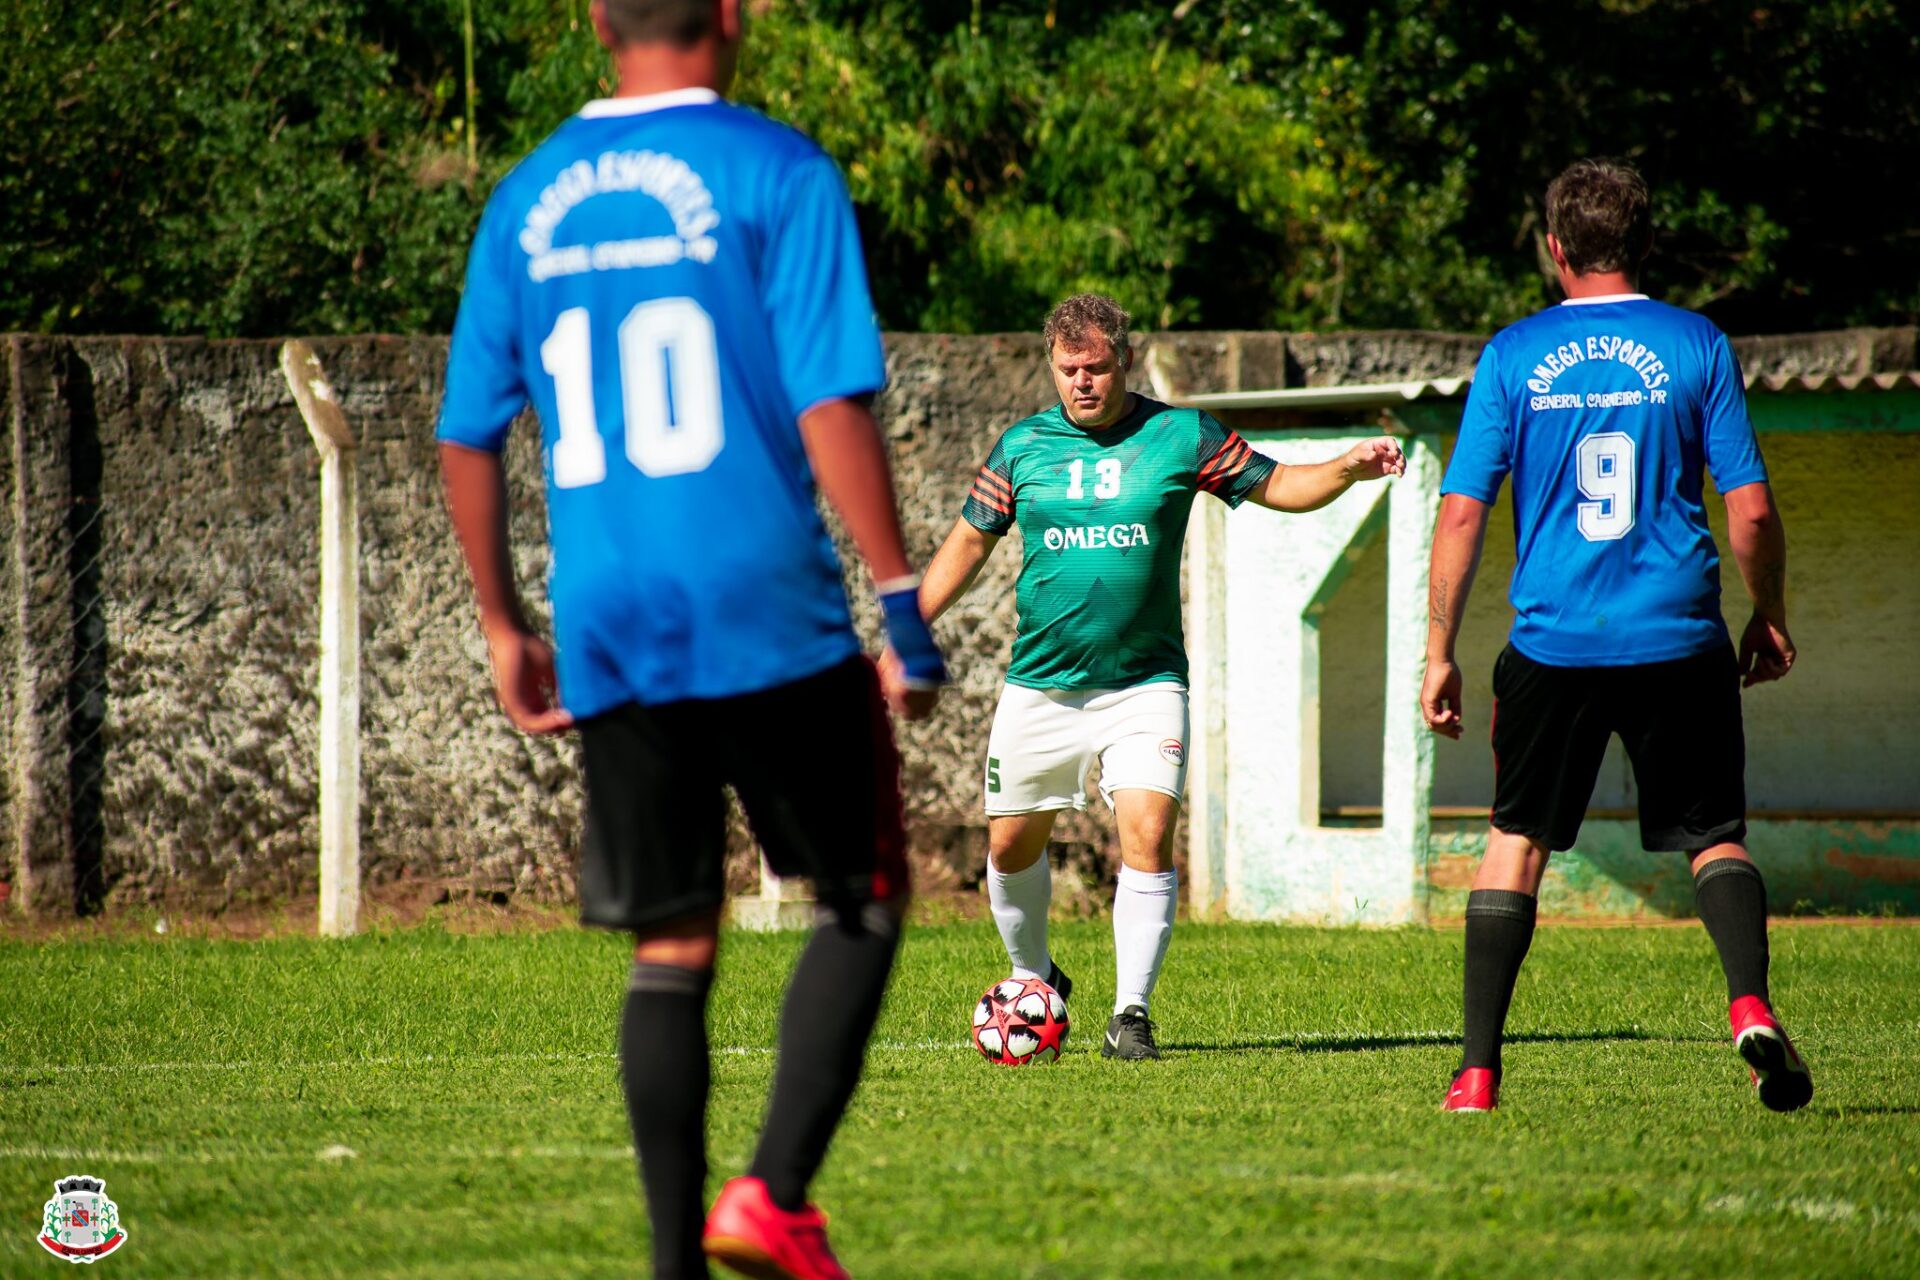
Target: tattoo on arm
{"points": [[1437, 610], [1770, 584]]}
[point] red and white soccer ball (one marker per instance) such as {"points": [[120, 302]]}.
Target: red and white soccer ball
{"points": [[1020, 1021]]}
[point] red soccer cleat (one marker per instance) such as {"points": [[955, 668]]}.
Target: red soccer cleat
{"points": [[1783, 1080], [1474, 1089], [751, 1234]]}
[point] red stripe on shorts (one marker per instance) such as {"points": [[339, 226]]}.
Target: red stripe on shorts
{"points": [[892, 877]]}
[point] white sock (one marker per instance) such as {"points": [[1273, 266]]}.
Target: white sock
{"points": [[1019, 901], [1142, 926]]}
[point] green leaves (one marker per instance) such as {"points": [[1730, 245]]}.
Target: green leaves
{"points": [[1005, 169], [254, 167], [221, 168]]}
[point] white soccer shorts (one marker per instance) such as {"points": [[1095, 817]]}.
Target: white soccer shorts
{"points": [[1044, 743]]}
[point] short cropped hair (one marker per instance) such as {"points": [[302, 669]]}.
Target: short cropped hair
{"points": [[1598, 211], [1074, 320], [676, 22]]}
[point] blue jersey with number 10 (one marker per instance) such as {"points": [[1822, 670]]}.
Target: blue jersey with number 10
{"points": [[671, 281], [1606, 411]]}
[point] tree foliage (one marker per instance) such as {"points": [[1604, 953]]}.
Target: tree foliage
{"points": [[239, 167]]}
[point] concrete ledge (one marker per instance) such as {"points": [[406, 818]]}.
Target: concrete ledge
{"points": [[758, 914]]}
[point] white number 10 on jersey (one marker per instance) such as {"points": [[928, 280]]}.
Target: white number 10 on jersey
{"points": [[669, 390], [1606, 477]]}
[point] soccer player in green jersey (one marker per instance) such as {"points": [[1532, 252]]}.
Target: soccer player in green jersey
{"points": [[1100, 485]]}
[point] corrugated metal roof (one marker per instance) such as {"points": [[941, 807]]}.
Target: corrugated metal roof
{"points": [[1834, 382], [1366, 395], [1386, 395]]}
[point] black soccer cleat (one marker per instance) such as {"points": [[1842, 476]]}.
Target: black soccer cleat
{"points": [[1059, 981], [1130, 1036]]}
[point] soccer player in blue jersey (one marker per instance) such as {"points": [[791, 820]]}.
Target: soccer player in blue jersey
{"points": [[676, 286], [1606, 410]]}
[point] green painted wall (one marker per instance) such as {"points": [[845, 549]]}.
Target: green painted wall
{"points": [[1812, 868]]}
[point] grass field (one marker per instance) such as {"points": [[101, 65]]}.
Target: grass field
{"points": [[423, 1103]]}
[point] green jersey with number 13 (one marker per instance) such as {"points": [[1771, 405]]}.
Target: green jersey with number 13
{"points": [[1103, 515]]}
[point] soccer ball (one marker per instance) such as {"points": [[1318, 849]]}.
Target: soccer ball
{"points": [[1020, 1021]]}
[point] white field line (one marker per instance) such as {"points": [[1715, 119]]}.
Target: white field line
{"points": [[456, 1060], [92, 1156], [1822, 1210], [1383, 1181]]}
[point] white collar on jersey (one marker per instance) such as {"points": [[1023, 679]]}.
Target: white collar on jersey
{"points": [[1599, 298], [601, 108]]}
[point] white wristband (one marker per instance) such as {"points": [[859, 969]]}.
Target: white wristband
{"points": [[906, 582]]}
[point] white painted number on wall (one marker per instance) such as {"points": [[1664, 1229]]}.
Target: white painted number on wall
{"points": [[1607, 479], [1106, 485], [669, 390]]}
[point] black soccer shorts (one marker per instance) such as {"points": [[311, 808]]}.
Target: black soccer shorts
{"points": [[1679, 720], [814, 765]]}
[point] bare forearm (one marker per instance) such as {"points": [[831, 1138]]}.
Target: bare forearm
{"points": [[850, 465], [1457, 542], [954, 567], [1306, 486], [477, 502], [1759, 541]]}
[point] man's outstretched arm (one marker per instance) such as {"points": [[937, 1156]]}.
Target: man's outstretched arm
{"points": [[1310, 486], [1457, 540], [1759, 542]]}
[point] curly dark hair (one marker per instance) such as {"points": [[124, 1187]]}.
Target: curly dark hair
{"points": [[1597, 209], [1074, 319]]}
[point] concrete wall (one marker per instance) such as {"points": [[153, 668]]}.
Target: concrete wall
{"points": [[187, 637], [158, 625], [158, 621]]}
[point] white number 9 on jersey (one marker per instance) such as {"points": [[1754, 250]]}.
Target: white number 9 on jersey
{"points": [[669, 392], [1607, 478]]}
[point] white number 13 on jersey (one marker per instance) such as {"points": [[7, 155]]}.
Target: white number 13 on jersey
{"points": [[1606, 477], [669, 390], [1108, 484]]}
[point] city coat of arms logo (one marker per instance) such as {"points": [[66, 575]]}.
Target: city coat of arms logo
{"points": [[81, 1225]]}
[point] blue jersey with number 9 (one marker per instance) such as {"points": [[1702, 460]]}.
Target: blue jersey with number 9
{"points": [[671, 281], [1607, 411]]}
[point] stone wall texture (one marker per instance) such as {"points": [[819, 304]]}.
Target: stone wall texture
{"points": [[159, 620]]}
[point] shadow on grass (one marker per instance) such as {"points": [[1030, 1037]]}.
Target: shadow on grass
{"points": [[1311, 1043]]}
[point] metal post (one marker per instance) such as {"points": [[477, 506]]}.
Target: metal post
{"points": [[339, 640]]}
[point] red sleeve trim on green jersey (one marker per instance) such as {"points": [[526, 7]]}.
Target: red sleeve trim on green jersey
{"points": [[993, 490], [1227, 463], [989, 505], [1235, 469]]}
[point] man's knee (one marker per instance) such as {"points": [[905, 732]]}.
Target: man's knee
{"points": [[692, 942], [880, 917]]}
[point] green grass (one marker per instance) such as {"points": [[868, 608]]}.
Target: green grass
{"points": [[1292, 1130]]}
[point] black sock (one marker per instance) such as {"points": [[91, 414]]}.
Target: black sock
{"points": [[663, 1060], [1732, 901], [1499, 931], [830, 1010]]}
